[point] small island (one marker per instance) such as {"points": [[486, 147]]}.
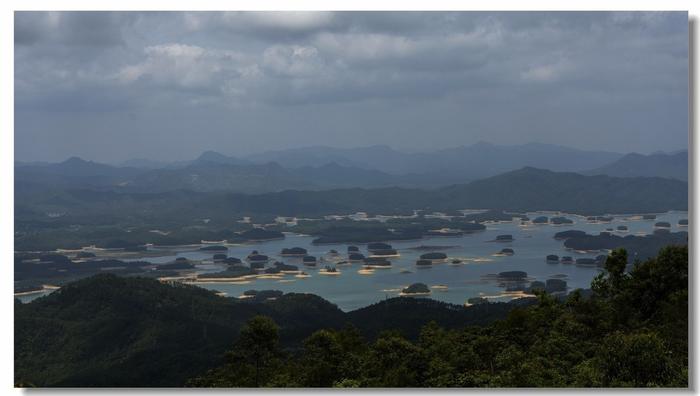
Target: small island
{"points": [[552, 258], [356, 257], [309, 260], [286, 268], [377, 262], [569, 234], [507, 252], [560, 220], [293, 252], [540, 220], [416, 289], [434, 257], [232, 260], [551, 286], [272, 271], [329, 271], [512, 275], [257, 260], [378, 246]]}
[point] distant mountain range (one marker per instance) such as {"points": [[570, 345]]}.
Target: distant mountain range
{"points": [[538, 189], [212, 176], [74, 172], [465, 162], [526, 189], [674, 166], [318, 168], [209, 172]]}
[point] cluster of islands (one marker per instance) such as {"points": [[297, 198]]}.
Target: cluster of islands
{"points": [[80, 218], [359, 244]]}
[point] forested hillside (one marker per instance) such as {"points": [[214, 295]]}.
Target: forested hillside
{"points": [[630, 330]]}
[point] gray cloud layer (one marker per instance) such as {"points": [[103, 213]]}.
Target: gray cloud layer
{"points": [[116, 85]]}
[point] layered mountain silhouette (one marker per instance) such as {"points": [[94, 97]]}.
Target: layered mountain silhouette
{"points": [[312, 168], [525, 189], [471, 162], [673, 166]]}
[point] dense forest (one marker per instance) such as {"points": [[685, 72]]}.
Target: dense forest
{"points": [[629, 330], [108, 330]]}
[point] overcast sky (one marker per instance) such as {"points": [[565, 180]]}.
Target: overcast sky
{"points": [[112, 86]]}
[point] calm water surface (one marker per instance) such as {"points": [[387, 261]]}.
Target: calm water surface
{"points": [[351, 290]]}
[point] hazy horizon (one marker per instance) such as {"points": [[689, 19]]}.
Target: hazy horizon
{"points": [[405, 151], [114, 86]]}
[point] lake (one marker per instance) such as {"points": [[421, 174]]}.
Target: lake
{"points": [[351, 290]]}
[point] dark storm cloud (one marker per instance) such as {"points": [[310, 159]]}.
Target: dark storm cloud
{"points": [[243, 81]]}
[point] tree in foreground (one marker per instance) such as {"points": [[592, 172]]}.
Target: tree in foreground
{"points": [[253, 360], [632, 331]]}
